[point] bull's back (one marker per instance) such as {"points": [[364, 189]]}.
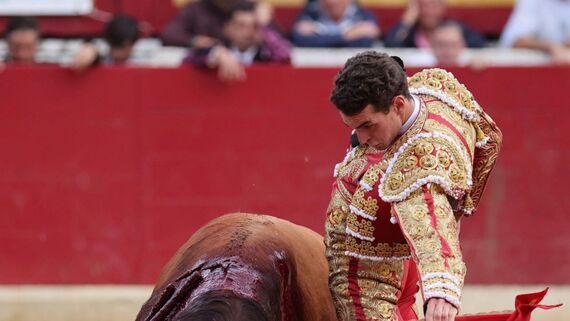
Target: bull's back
{"points": [[272, 246]]}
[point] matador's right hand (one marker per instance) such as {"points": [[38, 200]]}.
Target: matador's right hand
{"points": [[440, 310]]}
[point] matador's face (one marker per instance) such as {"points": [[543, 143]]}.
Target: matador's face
{"points": [[376, 129]]}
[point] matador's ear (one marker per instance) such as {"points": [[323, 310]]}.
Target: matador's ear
{"points": [[399, 61], [354, 140]]}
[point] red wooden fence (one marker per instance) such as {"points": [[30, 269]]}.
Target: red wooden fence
{"points": [[104, 175]]}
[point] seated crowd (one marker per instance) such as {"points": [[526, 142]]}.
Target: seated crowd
{"points": [[228, 35]]}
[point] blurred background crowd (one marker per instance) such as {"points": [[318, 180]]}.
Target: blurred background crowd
{"points": [[229, 34]]}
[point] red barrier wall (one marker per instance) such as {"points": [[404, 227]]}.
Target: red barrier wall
{"points": [[104, 175]]}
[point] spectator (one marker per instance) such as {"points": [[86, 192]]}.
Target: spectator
{"points": [[542, 25], [121, 34], [419, 20], [246, 41], [448, 47], [200, 24], [448, 44], [335, 23], [23, 37]]}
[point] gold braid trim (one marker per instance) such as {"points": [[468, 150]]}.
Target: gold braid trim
{"points": [[434, 241]]}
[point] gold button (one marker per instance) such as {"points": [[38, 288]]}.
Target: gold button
{"points": [[428, 162]]}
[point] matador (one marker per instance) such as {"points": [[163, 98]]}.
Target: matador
{"points": [[421, 156]]}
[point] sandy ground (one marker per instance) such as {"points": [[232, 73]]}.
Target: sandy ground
{"points": [[121, 303]]}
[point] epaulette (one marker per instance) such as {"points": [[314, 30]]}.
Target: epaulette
{"points": [[428, 157], [444, 86]]}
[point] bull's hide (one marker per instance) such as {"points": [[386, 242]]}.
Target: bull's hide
{"points": [[245, 267]]}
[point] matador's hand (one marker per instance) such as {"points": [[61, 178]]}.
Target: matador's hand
{"points": [[440, 310]]}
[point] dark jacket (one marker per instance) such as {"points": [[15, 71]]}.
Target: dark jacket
{"points": [[313, 12], [403, 36]]}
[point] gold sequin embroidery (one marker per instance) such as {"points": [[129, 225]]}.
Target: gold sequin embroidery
{"points": [[368, 205], [387, 250], [360, 226]]}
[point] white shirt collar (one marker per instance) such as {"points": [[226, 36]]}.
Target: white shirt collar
{"points": [[413, 117]]}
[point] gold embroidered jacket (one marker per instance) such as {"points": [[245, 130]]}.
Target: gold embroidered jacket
{"points": [[406, 202]]}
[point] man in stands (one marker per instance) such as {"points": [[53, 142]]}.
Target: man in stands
{"points": [[418, 22], [23, 38], [542, 25], [121, 34], [246, 41], [335, 23], [200, 24], [448, 44], [448, 47]]}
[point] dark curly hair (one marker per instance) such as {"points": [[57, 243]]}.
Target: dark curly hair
{"points": [[369, 78]]}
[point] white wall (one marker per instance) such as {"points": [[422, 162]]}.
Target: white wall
{"points": [[45, 7]]}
